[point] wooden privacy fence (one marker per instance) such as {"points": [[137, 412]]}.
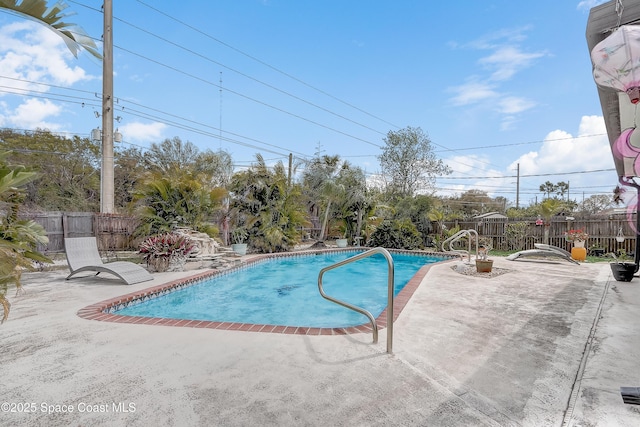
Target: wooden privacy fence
{"points": [[602, 232], [113, 232]]}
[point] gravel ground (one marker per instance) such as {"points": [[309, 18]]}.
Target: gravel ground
{"points": [[470, 270]]}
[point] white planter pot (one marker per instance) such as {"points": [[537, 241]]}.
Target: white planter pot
{"points": [[341, 243], [239, 248]]}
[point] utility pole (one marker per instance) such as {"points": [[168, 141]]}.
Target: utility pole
{"points": [[290, 166], [220, 127], [107, 179], [518, 187]]}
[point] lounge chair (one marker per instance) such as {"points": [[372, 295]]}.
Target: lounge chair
{"points": [[82, 255], [543, 250]]}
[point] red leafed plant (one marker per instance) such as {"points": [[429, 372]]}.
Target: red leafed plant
{"points": [[161, 250]]}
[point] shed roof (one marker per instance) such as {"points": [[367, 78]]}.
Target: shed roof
{"points": [[490, 215]]}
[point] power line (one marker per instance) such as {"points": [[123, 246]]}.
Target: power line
{"points": [[523, 143], [526, 176], [270, 86], [141, 114], [47, 95], [210, 127], [247, 97], [265, 64], [243, 74], [48, 84]]}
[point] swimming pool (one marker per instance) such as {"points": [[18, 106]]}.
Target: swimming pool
{"points": [[284, 291]]}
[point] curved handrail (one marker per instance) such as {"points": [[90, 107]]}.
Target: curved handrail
{"points": [[390, 286], [451, 240]]}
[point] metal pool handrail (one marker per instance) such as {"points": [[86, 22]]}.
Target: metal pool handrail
{"points": [[390, 286], [451, 240]]}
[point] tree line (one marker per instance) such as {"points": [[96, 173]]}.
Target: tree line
{"points": [[174, 183]]}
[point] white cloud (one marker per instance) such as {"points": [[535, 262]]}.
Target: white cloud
{"points": [[33, 113], [562, 152], [31, 58], [142, 132], [508, 123], [507, 61], [471, 93], [559, 153], [588, 4], [471, 166], [514, 105], [499, 38], [3, 109], [31, 52]]}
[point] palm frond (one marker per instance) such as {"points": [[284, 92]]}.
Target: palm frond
{"points": [[51, 16]]}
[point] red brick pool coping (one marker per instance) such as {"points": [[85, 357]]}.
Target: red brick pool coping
{"points": [[98, 311]]}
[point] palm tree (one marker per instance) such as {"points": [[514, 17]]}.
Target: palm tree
{"points": [[321, 188], [354, 200], [437, 216], [179, 200], [548, 188], [266, 205], [74, 36], [548, 208], [331, 192], [18, 237]]}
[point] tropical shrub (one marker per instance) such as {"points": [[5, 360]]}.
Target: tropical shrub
{"points": [[439, 239], [417, 209], [181, 201], [167, 251], [268, 207], [18, 238], [396, 234], [516, 233]]}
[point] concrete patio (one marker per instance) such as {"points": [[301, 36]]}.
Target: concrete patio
{"points": [[548, 343]]}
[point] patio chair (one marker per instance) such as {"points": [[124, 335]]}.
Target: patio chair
{"points": [[543, 250], [82, 255]]}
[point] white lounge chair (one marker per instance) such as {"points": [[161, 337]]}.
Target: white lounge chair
{"points": [[82, 255], [543, 250]]}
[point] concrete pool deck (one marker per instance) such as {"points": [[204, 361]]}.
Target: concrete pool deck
{"points": [[469, 351]]}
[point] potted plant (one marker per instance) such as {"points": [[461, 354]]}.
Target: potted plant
{"points": [[166, 251], [239, 235], [342, 242], [483, 263], [623, 268], [578, 238]]}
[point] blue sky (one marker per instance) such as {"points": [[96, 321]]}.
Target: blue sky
{"points": [[493, 84]]}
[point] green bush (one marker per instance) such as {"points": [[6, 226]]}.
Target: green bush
{"points": [[396, 234], [516, 233]]}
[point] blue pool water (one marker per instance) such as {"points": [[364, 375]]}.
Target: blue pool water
{"points": [[284, 291]]}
